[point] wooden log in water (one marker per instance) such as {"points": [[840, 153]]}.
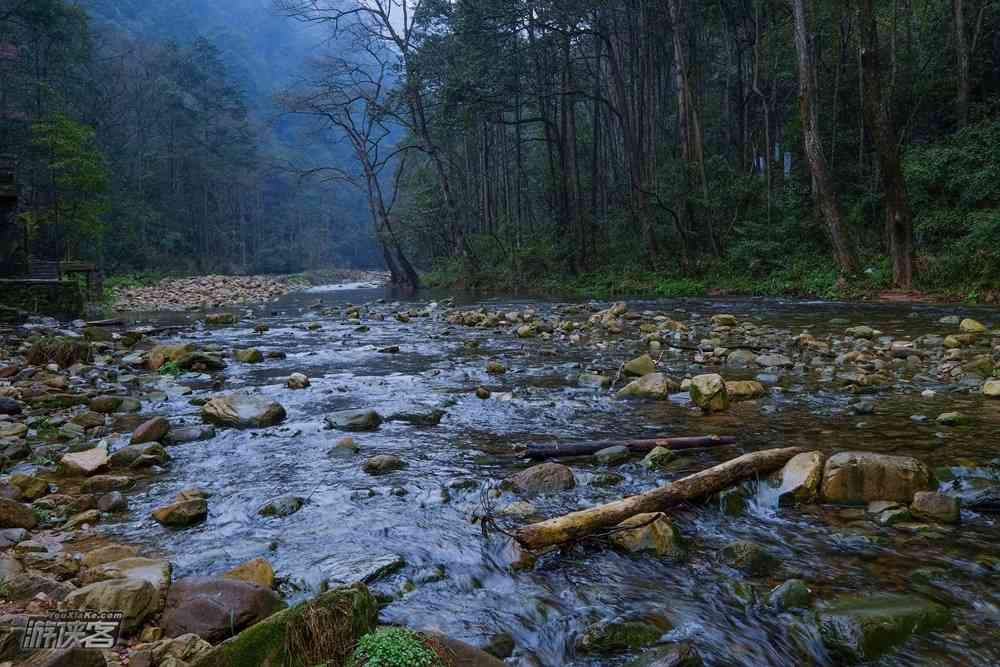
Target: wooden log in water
{"points": [[540, 452], [587, 522]]}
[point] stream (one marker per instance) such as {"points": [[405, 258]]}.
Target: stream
{"points": [[458, 581]]}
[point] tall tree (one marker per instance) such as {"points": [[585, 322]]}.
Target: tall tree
{"points": [[898, 217], [824, 188]]}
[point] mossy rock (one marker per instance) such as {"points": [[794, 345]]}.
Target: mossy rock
{"points": [[617, 636], [323, 630], [61, 350], [861, 628]]}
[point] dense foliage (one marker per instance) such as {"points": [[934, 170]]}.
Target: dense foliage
{"points": [[147, 139], [661, 144]]}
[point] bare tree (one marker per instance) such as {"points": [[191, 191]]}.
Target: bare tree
{"points": [[349, 99]]}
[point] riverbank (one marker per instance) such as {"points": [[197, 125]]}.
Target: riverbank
{"points": [[307, 443], [812, 278], [220, 291]]}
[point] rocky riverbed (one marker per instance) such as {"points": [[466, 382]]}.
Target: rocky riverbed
{"points": [[373, 449]]}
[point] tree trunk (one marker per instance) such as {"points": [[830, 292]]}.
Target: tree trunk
{"points": [[586, 522], [825, 190], [898, 217], [962, 62]]}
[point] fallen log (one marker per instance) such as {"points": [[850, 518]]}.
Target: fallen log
{"points": [[541, 452], [586, 522]]}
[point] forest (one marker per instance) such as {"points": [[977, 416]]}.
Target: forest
{"points": [[812, 147], [671, 147], [147, 140]]}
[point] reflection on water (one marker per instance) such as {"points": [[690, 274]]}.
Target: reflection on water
{"points": [[459, 582]]}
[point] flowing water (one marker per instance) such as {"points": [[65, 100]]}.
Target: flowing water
{"points": [[460, 582]]}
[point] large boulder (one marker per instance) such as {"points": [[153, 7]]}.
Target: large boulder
{"points": [[799, 480], [354, 420], [162, 354], [619, 635], [857, 478], [543, 478], [215, 608], [243, 410], [862, 628], [88, 462], [16, 515], [324, 630], [652, 385], [137, 598], [709, 392]]}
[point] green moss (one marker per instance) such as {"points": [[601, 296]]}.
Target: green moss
{"points": [[61, 350], [322, 630]]}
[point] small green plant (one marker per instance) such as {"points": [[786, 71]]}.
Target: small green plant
{"points": [[394, 647], [170, 368], [43, 516]]}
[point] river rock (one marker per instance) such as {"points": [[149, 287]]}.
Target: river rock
{"points": [[243, 410], [150, 431], [640, 366], [112, 502], [257, 571], [887, 512], [297, 381], [724, 320], [156, 572], [220, 319], [656, 386], [182, 513], [137, 598], [16, 515], [951, 419], [162, 354], [250, 355], [347, 613], [749, 558], [774, 361], [708, 392], [215, 608], [612, 455], [619, 635], [8, 406], [681, 654], [179, 651], [107, 554], [103, 483], [29, 584], [659, 457], [800, 478], [65, 657], [648, 532], [741, 358], [969, 325], [862, 628], [200, 362], [744, 390], [82, 520], [856, 478], [105, 404], [991, 389], [31, 487], [139, 456], [543, 478], [282, 506], [383, 464], [88, 462], [935, 507], [792, 594], [179, 435], [354, 420]]}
